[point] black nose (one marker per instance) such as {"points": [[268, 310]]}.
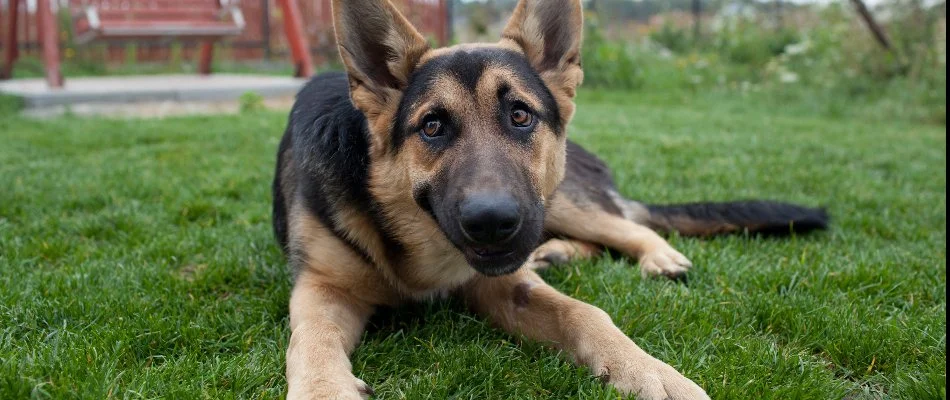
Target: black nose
{"points": [[490, 218]]}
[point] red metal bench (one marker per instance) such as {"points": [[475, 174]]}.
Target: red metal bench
{"points": [[158, 19], [204, 20]]}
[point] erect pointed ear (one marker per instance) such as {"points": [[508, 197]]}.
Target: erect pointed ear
{"points": [[379, 47], [549, 32]]}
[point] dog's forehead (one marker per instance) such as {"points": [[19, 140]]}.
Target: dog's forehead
{"points": [[468, 64], [466, 48]]}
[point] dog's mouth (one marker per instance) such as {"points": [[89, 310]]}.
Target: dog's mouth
{"points": [[491, 254], [494, 261]]}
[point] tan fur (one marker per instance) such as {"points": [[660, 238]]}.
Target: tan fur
{"points": [[323, 254], [548, 158], [522, 303], [333, 296], [337, 289], [656, 256], [325, 324]]}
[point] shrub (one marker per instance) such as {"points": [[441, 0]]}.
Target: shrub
{"points": [[672, 38], [746, 42], [608, 63], [250, 102]]}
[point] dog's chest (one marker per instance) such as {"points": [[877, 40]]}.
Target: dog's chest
{"points": [[432, 272]]}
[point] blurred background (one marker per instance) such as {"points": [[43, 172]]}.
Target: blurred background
{"points": [[889, 54]]}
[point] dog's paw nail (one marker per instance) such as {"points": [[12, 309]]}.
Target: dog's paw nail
{"points": [[366, 391], [677, 276]]}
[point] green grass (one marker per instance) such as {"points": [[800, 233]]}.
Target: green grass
{"points": [[137, 260]]}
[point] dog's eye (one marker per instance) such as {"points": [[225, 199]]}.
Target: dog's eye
{"points": [[521, 118], [431, 128]]}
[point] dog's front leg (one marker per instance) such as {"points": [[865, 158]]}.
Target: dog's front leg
{"points": [[326, 324], [523, 304]]}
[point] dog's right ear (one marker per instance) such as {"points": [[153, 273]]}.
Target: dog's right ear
{"points": [[379, 47]]}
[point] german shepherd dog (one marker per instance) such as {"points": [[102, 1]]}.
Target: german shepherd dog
{"points": [[424, 172]]}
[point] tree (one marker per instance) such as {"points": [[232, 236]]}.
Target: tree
{"points": [[879, 34]]}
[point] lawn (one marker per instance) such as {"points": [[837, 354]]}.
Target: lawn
{"points": [[137, 260]]}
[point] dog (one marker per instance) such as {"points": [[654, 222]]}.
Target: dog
{"points": [[424, 172]]}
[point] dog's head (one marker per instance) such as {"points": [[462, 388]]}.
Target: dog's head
{"points": [[472, 134]]}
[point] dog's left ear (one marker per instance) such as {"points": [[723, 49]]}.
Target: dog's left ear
{"points": [[549, 32], [379, 47]]}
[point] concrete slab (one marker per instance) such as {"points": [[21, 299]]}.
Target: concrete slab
{"points": [[153, 109], [123, 90]]}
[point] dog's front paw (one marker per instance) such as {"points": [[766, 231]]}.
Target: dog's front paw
{"points": [[652, 379], [556, 252], [665, 261], [551, 253], [349, 388]]}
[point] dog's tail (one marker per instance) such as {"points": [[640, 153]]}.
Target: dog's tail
{"points": [[754, 217]]}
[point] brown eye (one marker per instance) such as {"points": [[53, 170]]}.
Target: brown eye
{"points": [[521, 118], [432, 128]]}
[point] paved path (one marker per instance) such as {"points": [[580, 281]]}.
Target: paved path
{"points": [[151, 94]]}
